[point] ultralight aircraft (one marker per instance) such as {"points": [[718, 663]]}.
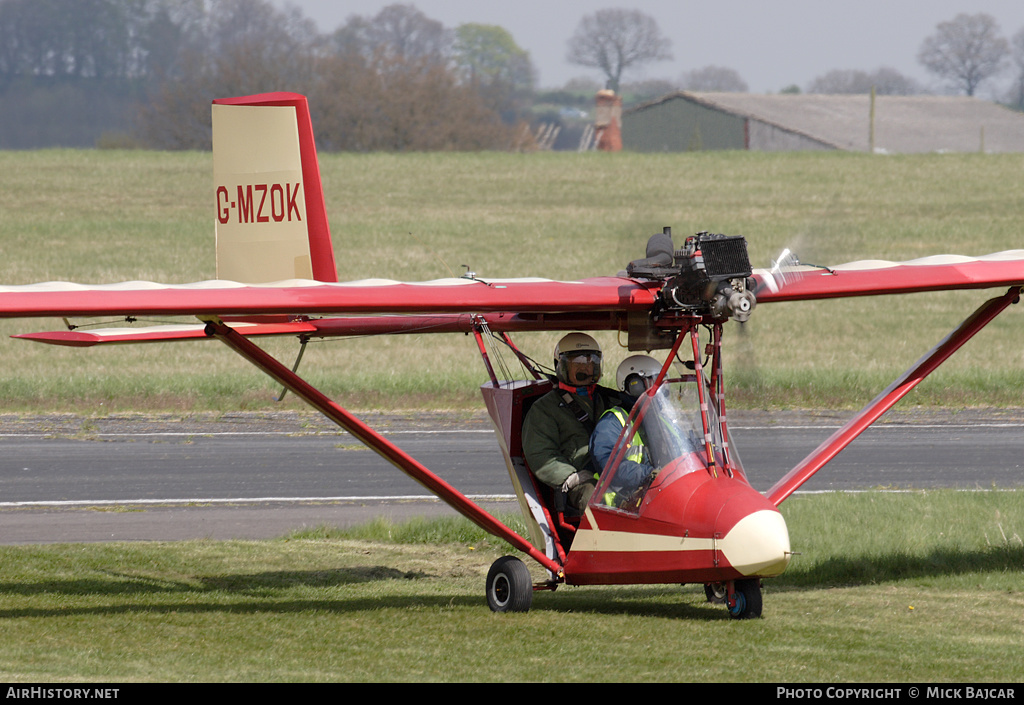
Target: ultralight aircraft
{"points": [[697, 520]]}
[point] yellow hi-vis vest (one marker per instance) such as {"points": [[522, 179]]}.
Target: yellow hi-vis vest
{"points": [[635, 452]]}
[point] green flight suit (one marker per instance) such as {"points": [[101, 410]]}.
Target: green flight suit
{"points": [[556, 444]]}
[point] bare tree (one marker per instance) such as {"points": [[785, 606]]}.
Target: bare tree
{"points": [[396, 32], [247, 46], [965, 51], [885, 81], [394, 104], [713, 78], [614, 40]]}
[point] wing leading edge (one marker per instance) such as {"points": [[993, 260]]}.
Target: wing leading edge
{"points": [[217, 298], [878, 277], [378, 296]]}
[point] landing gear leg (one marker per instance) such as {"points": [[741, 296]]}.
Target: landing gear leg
{"points": [[509, 586]]}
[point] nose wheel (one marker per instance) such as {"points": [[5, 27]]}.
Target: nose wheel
{"points": [[744, 600], [741, 597]]}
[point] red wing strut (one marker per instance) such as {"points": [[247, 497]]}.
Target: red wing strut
{"points": [[374, 440], [884, 401], [872, 278]]}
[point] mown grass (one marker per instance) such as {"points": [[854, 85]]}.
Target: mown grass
{"points": [[112, 216], [909, 587]]}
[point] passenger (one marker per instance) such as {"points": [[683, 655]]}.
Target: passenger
{"points": [[636, 374], [557, 429]]}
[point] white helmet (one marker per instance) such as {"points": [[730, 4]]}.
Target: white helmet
{"points": [[577, 348], [636, 374]]}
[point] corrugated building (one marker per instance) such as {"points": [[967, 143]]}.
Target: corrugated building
{"points": [[897, 124]]}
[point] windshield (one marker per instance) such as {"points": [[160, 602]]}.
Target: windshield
{"points": [[662, 440]]}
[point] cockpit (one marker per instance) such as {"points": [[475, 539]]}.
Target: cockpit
{"points": [[671, 431]]}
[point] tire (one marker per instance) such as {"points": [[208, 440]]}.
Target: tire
{"points": [[715, 593], [748, 599], [509, 586]]}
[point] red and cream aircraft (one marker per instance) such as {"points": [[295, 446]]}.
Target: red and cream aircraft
{"points": [[697, 520]]}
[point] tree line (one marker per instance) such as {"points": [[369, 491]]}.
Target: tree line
{"points": [[149, 69], [143, 72]]}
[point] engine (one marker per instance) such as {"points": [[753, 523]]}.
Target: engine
{"points": [[708, 276]]}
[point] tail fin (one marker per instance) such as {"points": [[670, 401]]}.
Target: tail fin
{"points": [[271, 218]]}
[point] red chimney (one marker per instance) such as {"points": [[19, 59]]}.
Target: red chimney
{"points": [[608, 121]]}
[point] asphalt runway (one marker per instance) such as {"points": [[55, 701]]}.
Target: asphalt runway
{"points": [[252, 476]]}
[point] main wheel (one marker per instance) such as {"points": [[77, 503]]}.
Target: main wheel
{"points": [[509, 586], [748, 599]]}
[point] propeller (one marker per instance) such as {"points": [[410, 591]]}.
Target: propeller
{"points": [[745, 361]]}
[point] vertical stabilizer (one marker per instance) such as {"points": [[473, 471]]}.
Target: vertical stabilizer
{"points": [[271, 221]]}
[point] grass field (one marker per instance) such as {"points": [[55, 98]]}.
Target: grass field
{"points": [[934, 598], [112, 216]]}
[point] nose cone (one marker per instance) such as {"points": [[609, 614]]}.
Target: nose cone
{"points": [[757, 544]]}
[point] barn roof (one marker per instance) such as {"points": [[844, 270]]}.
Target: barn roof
{"points": [[902, 123]]}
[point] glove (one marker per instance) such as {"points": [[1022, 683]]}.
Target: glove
{"points": [[575, 480]]}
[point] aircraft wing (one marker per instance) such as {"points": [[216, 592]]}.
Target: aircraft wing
{"points": [[284, 308], [879, 277], [378, 296], [61, 299]]}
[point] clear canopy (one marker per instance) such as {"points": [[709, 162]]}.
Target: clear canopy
{"points": [[666, 436]]}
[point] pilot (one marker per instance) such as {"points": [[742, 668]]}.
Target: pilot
{"points": [[635, 375], [557, 429]]}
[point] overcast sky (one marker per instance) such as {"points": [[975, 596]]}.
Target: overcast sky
{"points": [[771, 44]]}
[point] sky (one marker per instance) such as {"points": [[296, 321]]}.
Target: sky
{"points": [[771, 45]]}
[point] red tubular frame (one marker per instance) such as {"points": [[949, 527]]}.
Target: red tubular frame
{"points": [[702, 396], [896, 391], [718, 390], [383, 447], [478, 334]]}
